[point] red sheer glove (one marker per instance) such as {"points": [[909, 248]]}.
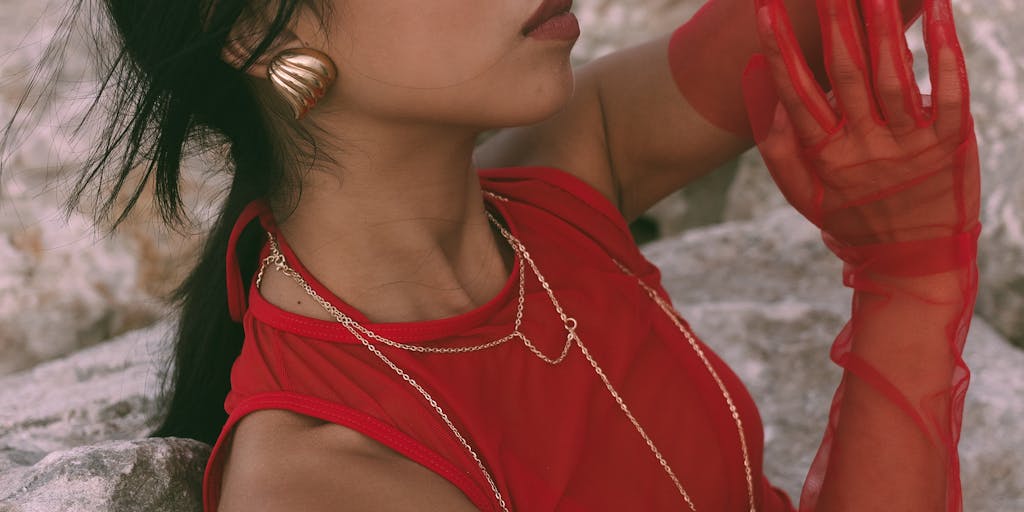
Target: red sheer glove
{"points": [[892, 180], [708, 53]]}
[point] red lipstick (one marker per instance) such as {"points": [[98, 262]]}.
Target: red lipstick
{"points": [[552, 20]]}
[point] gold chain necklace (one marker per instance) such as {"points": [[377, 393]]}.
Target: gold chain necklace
{"points": [[278, 261]]}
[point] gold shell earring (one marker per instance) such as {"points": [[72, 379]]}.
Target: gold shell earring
{"points": [[302, 76]]}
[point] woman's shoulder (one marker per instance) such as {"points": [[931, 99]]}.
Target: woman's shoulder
{"points": [[282, 460]]}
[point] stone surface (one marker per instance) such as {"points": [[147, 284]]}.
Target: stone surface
{"points": [[70, 433], [1001, 260], [157, 475], [72, 429], [998, 104], [607, 25], [62, 288], [104, 392], [65, 284], [775, 258]]}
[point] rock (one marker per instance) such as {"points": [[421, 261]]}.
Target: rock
{"points": [[1001, 261], [63, 288], [608, 25], [698, 204], [72, 429], [997, 100], [776, 258], [73, 433], [767, 296], [105, 392], [149, 474], [65, 284], [752, 193], [990, 457]]}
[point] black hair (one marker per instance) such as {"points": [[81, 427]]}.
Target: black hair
{"points": [[165, 93]]}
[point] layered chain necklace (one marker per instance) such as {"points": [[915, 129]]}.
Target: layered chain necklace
{"points": [[277, 260]]}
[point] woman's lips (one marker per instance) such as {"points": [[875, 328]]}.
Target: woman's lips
{"points": [[547, 10], [563, 26]]}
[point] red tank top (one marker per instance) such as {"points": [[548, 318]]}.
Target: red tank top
{"points": [[551, 436]]}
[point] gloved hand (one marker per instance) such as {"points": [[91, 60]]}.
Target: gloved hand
{"points": [[892, 179], [874, 164], [878, 163]]}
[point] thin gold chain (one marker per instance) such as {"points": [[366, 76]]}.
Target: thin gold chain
{"points": [[674, 316], [277, 260]]}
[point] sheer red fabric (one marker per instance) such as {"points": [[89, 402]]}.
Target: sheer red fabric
{"points": [[892, 179], [708, 53]]}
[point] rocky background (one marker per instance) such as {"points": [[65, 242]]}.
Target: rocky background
{"points": [[83, 326]]}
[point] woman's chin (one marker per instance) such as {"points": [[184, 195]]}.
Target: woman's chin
{"points": [[543, 105]]}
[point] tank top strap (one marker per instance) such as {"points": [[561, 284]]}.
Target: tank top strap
{"points": [[574, 201], [237, 289]]}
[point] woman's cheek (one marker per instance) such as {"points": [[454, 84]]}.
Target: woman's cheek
{"points": [[432, 51]]}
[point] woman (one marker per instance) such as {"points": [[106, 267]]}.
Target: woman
{"points": [[432, 325]]}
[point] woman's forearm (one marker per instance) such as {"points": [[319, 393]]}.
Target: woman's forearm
{"points": [[891, 441]]}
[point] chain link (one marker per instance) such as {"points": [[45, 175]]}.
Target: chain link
{"points": [[676, 319], [277, 260]]}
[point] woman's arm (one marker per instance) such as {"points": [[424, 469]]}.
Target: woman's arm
{"points": [[891, 442], [892, 178], [647, 120]]}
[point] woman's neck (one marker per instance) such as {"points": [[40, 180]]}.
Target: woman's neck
{"points": [[398, 229]]}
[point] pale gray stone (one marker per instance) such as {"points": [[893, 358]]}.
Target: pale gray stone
{"points": [[105, 392], [1001, 260], [141, 475], [608, 25], [778, 257], [752, 193], [63, 286], [72, 429], [698, 204]]}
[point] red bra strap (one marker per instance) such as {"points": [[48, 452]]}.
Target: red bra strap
{"points": [[237, 291]]}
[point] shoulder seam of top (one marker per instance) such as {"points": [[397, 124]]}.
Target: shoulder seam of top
{"points": [[567, 182]]}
